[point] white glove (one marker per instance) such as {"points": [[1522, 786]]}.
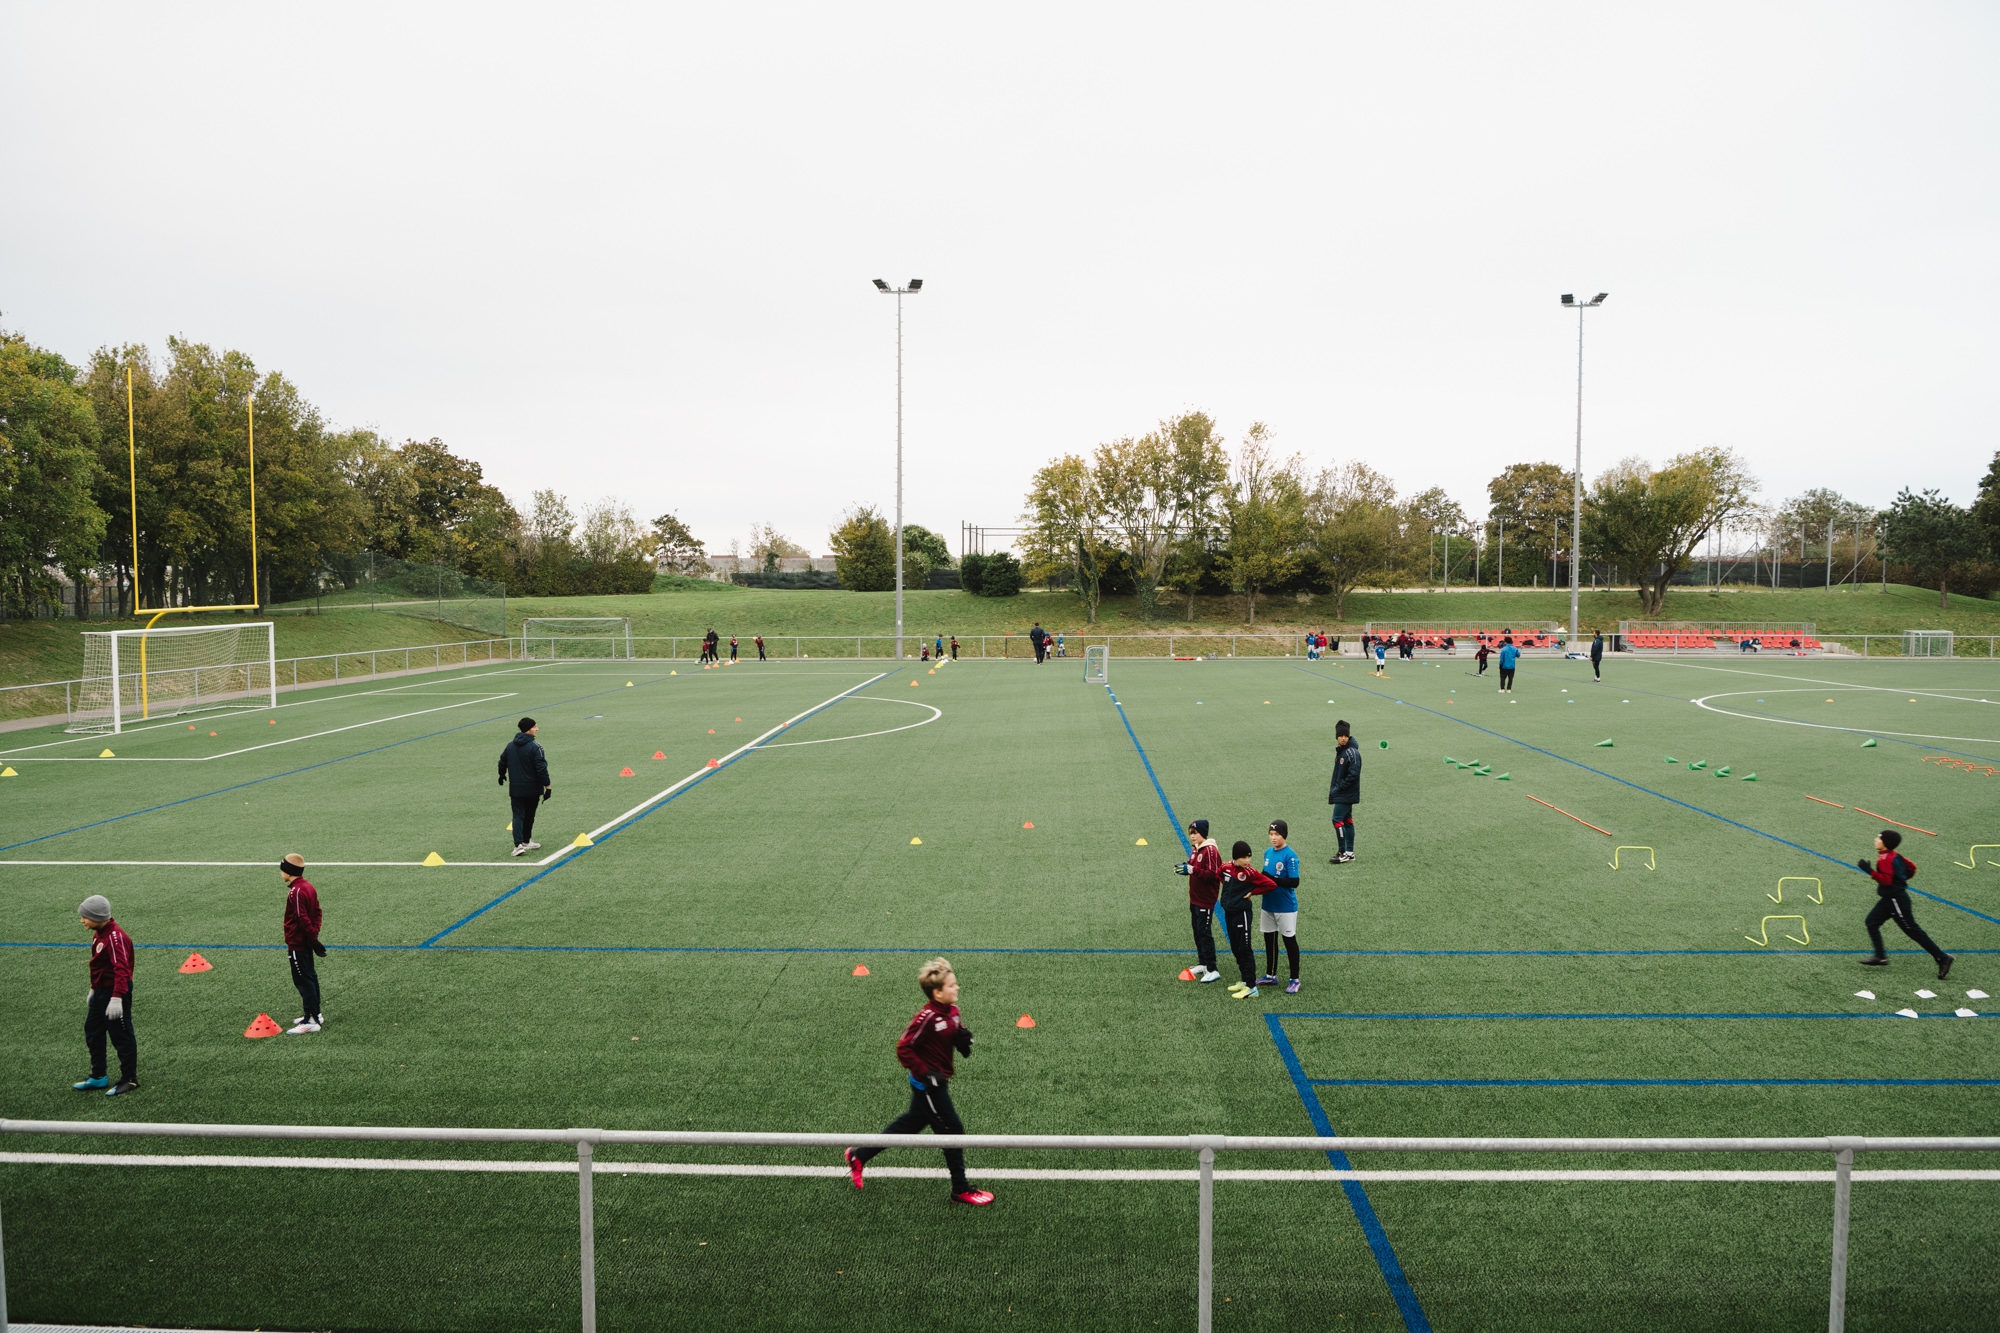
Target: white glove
{"points": [[115, 1010], [89, 994]]}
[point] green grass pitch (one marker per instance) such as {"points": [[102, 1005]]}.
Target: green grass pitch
{"points": [[1479, 969]]}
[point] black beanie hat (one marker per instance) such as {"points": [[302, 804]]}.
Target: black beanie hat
{"points": [[527, 724], [1891, 839], [1199, 826]]}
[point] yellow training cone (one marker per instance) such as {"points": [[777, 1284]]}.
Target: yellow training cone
{"points": [[9, 772], [107, 755], [916, 842], [628, 684], [433, 860], [583, 840], [1140, 843], [673, 673]]}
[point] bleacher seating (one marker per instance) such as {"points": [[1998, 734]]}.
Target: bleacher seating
{"points": [[1764, 640]]}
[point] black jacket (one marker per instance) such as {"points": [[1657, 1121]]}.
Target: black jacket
{"points": [[524, 765], [1345, 789]]}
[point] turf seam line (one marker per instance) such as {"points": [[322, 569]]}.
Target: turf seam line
{"points": [[661, 802], [1412, 1311], [1625, 782], [1187, 848]]}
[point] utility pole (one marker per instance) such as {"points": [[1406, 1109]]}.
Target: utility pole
{"points": [[1576, 518], [916, 285]]}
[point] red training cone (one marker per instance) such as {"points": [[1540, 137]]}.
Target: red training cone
{"points": [[659, 754], [714, 763], [1029, 824], [1024, 1022], [1187, 974], [263, 1027], [627, 773], [861, 970], [196, 963]]}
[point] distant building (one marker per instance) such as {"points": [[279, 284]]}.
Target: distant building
{"points": [[720, 567]]}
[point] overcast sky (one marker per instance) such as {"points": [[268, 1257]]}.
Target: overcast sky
{"points": [[628, 250]]}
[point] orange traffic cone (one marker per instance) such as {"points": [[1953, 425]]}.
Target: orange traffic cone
{"points": [[1029, 824], [627, 773], [861, 970], [659, 754], [263, 1027], [714, 763], [1024, 1022], [711, 731], [1187, 974], [196, 963]]}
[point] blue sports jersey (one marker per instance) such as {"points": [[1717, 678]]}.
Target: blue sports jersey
{"points": [[1281, 863], [1509, 655]]}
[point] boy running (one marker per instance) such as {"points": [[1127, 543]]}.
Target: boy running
{"points": [[1481, 656], [1204, 871], [1891, 873], [925, 1050], [1279, 913], [1343, 792], [301, 925], [1244, 881], [109, 1011]]}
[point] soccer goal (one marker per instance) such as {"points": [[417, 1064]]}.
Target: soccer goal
{"points": [[562, 638], [133, 675], [1097, 664]]}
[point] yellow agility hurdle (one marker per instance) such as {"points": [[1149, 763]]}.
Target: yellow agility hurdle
{"points": [[1971, 861], [1819, 890], [1763, 936], [1650, 864]]}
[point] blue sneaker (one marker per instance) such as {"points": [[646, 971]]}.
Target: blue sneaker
{"points": [[1267, 980], [92, 1084], [1292, 986]]}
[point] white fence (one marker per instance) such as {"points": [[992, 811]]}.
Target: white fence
{"points": [[1204, 1147]]}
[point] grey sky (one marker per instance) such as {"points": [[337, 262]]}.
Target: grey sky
{"points": [[628, 250]]}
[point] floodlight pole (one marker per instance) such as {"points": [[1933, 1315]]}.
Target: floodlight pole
{"points": [[1576, 510], [915, 285]]}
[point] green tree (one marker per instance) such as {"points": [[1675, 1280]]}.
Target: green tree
{"points": [[864, 551], [48, 468], [1352, 525], [1430, 515], [676, 549], [1934, 537], [1647, 522], [1986, 509], [1155, 488], [923, 549], [768, 546], [1527, 501], [1264, 517], [1065, 528]]}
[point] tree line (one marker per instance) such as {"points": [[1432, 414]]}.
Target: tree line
{"points": [[76, 443], [1177, 512]]}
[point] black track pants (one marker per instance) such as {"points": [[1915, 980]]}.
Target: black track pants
{"points": [[1236, 923], [1506, 678], [96, 1027], [306, 979], [524, 816], [1896, 907], [929, 1107], [1204, 935]]}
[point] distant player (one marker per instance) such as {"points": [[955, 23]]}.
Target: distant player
{"points": [[759, 641], [1509, 655], [301, 925], [1241, 882], [937, 648], [925, 1050], [732, 647], [1039, 637], [1891, 872], [1481, 656], [1204, 871], [1278, 915], [1381, 655], [1343, 793], [954, 647], [524, 771], [1597, 655], [109, 1012]]}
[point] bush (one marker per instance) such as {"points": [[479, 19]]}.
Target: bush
{"points": [[999, 575], [969, 570], [864, 551], [792, 578]]}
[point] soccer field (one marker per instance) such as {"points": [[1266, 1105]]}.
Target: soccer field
{"points": [[1479, 969]]}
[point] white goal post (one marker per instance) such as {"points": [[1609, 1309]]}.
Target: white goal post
{"points": [[553, 638], [1097, 664], [135, 675]]}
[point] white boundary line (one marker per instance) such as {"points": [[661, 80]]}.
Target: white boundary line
{"points": [[603, 1168], [1828, 726], [936, 713], [265, 863], [704, 770], [267, 745]]}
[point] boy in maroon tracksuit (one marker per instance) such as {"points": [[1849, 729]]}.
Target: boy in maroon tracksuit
{"points": [[1244, 882], [302, 944], [110, 1011], [1891, 873], [925, 1050], [1204, 871]]}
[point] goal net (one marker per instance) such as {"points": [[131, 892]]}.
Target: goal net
{"points": [[1097, 664], [585, 637], [133, 675]]}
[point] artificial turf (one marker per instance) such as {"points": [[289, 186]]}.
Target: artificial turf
{"points": [[1479, 969]]}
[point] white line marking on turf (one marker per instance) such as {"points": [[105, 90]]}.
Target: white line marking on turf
{"points": [[266, 863], [936, 713], [704, 770], [604, 1168], [1829, 726], [267, 745], [1810, 680]]}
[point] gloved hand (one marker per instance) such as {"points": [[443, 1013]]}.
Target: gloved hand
{"points": [[548, 793], [115, 1010], [502, 779], [1862, 865], [319, 948], [1181, 869], [963, 1040]]}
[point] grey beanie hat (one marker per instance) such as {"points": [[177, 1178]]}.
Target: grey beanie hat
{"points": [[97, 907]]}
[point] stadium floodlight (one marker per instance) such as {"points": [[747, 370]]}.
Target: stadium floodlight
{"points": [[1576, 481], [174, 670], [916, 285], [556, 638]]}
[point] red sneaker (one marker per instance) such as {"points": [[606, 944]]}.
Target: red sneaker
{"points": [[977, 1198], [854, 1165]]}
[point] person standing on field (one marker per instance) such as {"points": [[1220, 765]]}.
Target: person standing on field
{"points": [[301, 925], [524, 771], [1039, 637], [1343, 793], [1597, 655], [1509, 655], [954, 647], [759, 641], [109, 1000]]}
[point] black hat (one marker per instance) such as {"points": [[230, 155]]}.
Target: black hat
{"points": [[1199, 826], [1891, 839], [1279, 827], [527, 724]]}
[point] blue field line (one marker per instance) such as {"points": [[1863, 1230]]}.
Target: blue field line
{"points": [[1724, 819], [1357, 1197], [1507, 1015], [1654, 1082], [1187, 848], [289, 773], [616, 829]]}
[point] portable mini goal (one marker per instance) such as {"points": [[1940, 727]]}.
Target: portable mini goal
{"points": [[133, 675], [1097, 664], [1927, 643], [561, 638]]}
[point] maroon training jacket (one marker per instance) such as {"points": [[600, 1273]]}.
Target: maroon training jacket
{"points": [[111, 959], [925, 1048], [1204, 875], [301, 915]]}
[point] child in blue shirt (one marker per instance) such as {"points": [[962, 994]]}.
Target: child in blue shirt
{"points": [[1381, 655], [1279, 913]]}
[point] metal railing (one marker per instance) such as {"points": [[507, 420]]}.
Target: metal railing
{"points": [[1983, 646], [1203, 1146]]}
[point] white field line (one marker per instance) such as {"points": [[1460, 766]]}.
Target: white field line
{"points": [[1809, 680], [701, 772], [604, 1168], [267, 745], [266, 863], [936, 713], [1703, 702]]}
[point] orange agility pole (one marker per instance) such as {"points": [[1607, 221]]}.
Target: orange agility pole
{"points": [[1835, 804], [1897, 822], [1567, 815]]}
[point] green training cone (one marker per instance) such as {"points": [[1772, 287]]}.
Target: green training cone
{"points": [[1503, 777], [1383, 744], [1604, 744], [1672, 760], [1749, 777], [1868, 744], [1722, 772], [1449, 760], [1698, 764]]}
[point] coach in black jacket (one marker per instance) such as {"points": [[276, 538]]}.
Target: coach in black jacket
{"points": [[524, 771], [1344, 792]]}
